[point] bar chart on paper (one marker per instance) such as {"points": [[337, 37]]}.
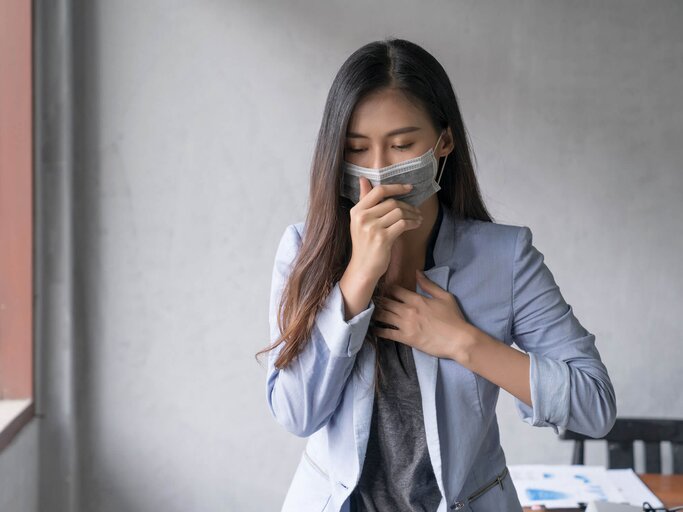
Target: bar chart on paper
{"points": [[564, 486]]}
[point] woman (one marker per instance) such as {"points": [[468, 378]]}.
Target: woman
{"points": [[393, 375]]}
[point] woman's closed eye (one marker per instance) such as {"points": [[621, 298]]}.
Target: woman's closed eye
{"points": [[402, 147]]}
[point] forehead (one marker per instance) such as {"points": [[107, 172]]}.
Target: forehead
{"points": [[382, 111]]}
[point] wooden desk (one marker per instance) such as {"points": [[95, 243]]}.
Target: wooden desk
{"points": [[668, 488]]}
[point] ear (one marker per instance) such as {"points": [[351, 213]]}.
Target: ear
{"points": [[446, 144]]}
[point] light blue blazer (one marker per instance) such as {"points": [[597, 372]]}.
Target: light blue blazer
{"points": [[505, 289]]}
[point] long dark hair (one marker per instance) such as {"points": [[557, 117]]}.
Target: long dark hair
{"points": [[326, 245]]}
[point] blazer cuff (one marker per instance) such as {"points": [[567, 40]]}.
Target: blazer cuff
{"points": [[550, 393], [343, 338]]}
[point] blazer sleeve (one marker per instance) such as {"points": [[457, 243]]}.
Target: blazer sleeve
{"points": [[570, 386], [303, 396]]}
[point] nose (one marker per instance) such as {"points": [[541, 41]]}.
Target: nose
{"points": [[380, 159]]}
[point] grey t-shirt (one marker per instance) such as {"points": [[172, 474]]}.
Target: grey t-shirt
{"points": [[397, 472]]}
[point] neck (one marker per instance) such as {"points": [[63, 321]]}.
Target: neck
{"points": [[419, 236], [411, 245], [409, 249]]}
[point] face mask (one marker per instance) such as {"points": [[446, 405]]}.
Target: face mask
{"points": [[420, 171]]}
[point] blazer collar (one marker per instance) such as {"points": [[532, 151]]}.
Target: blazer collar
{"points": [[427, 365], [445, 240]]}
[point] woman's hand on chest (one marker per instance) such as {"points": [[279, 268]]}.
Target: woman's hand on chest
{"points": [[433, 325]]}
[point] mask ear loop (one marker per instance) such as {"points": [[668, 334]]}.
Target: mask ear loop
{"points": [[444, 161], [442, 168]]}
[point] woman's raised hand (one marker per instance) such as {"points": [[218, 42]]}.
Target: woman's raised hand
{"points": [[377, 220]]}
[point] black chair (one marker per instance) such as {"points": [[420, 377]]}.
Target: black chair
{"points": [[620, 443]]}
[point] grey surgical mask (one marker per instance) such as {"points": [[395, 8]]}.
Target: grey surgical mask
{"points": [[420, 171]]}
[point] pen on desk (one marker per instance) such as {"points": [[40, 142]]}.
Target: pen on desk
{"points": [[581, 507]]}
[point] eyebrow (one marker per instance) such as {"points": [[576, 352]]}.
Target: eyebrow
{"points": [[405, 129]]}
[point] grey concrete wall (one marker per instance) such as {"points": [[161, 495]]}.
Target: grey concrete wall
{"points": [[195, 126]]}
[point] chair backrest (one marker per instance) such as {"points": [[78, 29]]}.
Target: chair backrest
{"points": [[622, 436]]}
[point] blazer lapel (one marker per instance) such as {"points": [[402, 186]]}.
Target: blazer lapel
{"points": [[363, 399], [426, 366]]}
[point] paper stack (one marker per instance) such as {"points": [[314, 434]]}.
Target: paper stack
{"points": [[565, 486]]}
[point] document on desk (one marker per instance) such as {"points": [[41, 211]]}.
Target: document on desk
{"points": [[565, 486], [633, 489]]}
